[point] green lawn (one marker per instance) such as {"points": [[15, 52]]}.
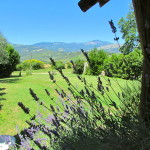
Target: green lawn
{"points": [[17, 90]]}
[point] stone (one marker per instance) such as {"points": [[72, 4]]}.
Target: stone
{"points": [[6, 141], [103, 73]]}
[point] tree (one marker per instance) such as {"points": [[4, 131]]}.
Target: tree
{"points": [[97, 60], [3, 53], [128, 28], [13, 59]]}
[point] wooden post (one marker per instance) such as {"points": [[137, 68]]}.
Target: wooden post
{"points": [[142, 13]]}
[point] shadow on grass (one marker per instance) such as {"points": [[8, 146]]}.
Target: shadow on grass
{"points": [[12, 79], [1, 99], [9, 80]]}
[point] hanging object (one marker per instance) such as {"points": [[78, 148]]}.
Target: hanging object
{"points": [[87, 4], [103, 2]]}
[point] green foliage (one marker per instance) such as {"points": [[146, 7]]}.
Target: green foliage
{"points": [[36, 64], [97, 61], [130, 34], [113, 65], [19, 67], [125, 66], [3, 52], [59, 65], [32, 64], [9, 58], [25, 65], [134, 63], [13, 59], [28, 72], [79, 66], [68, 65]]}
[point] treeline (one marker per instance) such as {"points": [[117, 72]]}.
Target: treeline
{"points": [[118, 65]]}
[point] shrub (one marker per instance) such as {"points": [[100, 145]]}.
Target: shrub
{"points": [[134, 63], [59, 65], [68, 65], [19, 67], [28, 72], [78, 66], [125, 66], [33, 64], [26, 65], [36, 64], [113, 65], [97, 60]]}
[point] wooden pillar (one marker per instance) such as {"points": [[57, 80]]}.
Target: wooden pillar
{"points": [[142, 13]]}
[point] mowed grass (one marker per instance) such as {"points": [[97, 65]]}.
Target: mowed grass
{"points": [[16, 89]]}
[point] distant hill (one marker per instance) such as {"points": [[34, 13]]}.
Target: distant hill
{"points": [[60, 50], [112, 48]]}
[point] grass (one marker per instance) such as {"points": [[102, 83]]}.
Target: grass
{"points": [[17, 90]]}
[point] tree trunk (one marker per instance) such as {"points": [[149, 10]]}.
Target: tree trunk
{"points": [[142, 13]]}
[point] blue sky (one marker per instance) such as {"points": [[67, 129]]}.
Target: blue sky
{"points": [[33, 21]]}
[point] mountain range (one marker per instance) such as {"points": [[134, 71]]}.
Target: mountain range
{"points": [[61, 50]]}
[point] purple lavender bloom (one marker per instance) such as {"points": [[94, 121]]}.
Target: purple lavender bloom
{"points": [[25, 144], [65, 115], [39, 114], [50, 119]]}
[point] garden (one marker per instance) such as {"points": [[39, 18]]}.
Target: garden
{"points": [[77, 107]]}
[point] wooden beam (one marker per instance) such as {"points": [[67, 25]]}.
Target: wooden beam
{"points": [[103, 2], [87, 4]]}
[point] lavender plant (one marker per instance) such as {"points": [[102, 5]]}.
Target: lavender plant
{"points": [[114, 30], [86, 118]]}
